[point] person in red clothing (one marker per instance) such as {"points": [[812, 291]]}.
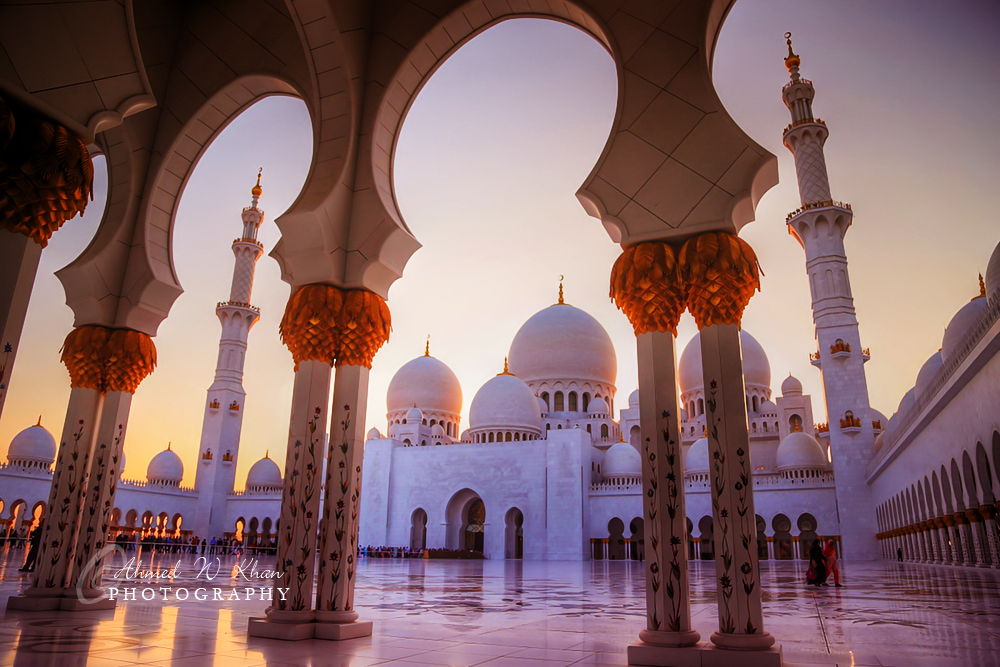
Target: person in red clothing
{"points": [[830, 556]]}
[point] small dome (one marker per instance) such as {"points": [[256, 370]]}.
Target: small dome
{"points": [[958, 329], [756, 369], [908, 401], [541, 405], [875, 415], [465, 436], [563, 343], [696, 459], [927, 372], [767, 408], [622, 460], [598, 406], [993, 274], [791, 386], [633, 399], [264, 473], [165, 467], [437, 430], [427, 383], [414, 415], [505, 402], [374, 434], [880, 441], [34, 444], [800, 451]]}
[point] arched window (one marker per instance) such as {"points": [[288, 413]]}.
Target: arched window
{"points": [[509, 437], [588, 429], [765, 427], [559, 404], [517, 437], [572, 401], [491, 437], [586, 401], [755, 404], [407, 442], [795, 423], [701, 406], [604, 430], [776, 427], [545, 397], [447, 428], [559, 427], [433, 422], [753, 427], [424, 422], [548, 426]]}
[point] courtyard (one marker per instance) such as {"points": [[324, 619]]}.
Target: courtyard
{"points": [[535, 614]]}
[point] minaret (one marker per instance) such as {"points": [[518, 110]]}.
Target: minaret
{"points": [[220, 432], [820, 225]]}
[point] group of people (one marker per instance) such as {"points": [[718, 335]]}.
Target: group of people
{"points": [[389, 552], [823, 563], [226, 546]]}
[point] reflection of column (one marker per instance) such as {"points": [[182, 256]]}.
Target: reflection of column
{"points": [[646, 287], [921, 529], [954, 540]]}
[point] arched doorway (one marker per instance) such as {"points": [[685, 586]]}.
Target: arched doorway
{"points": [[466, 522], [707, 538], [616, 539], [418, 530], [636, 545], [761, 538], [782, 526], [514, 534], [807, 534]]}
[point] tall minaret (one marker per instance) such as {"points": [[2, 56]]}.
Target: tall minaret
{"points": [[820, 225], [220, 431]]}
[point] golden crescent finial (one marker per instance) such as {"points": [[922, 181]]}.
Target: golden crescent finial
{"points": [[39, 421], [256, 191], [791, 60], [427, 347], [267, 453], [561, 302], [168, 446]]}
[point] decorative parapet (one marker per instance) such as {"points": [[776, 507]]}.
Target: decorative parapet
{"points": [[850, 423], [840, 346], [819, 204], [796, 83], [823, 427], [237, 304], [804, 121]]}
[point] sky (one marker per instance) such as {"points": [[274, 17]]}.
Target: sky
{"points": [[488, 162]]}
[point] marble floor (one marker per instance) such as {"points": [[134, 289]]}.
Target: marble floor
{"points": [[532, 614]]}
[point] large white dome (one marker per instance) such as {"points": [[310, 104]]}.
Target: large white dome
{"points": [[165, 467], [427, 383], [993, 274], [265, 473], [563, 343], [800, 451], [505, 402], [927, 372], [958, 329], [33, 444], [756, 369], [622, 460], [696, 459]]}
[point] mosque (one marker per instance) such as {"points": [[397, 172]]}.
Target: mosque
{"points": [[545, 471]]}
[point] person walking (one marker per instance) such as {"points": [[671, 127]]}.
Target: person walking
{"points": [[899, 554], [817, 566], [36, 540], [830, 558]]}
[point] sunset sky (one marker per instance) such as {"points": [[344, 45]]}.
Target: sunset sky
{"points": [[489, 160]]}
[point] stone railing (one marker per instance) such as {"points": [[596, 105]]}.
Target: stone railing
{"points": [[631, 484], [237, 304], [155, 486], [909, 417], [33, 467], [789, 479], [817, 204], [795, 83], [257, 491], [804, 121]]}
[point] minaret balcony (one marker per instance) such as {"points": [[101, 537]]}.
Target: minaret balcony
{"points": [[829, 203], [865, 354], [823, 430], [237, 304], [804, 121], [850, 424], [814, 359]]}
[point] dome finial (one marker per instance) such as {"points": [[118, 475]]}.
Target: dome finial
{"points": [[168, 446], [506, 369], [561, 302], [792, 61], [257, 191], [267, 453], [427, 347], [40, 417], [982, 288]]}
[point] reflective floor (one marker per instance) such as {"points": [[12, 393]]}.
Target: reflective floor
{"points": [[533, 614]]}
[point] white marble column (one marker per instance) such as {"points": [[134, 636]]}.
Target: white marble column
{"points": [[105, 470], [19, 257], [935, 545], [668, 594], [988, 513], [741, 622], [962, 528], [978, 537], [291, 615], [338, 546], [955, 539], [57, 551]]}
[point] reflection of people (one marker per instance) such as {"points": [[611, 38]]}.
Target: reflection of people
{"points": [[830, 556], [817, 566], [36, 540]]}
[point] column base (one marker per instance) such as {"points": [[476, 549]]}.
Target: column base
{"points": [[259, 626], [734, 642], [24, 602], [669, 639], [297, 631], [340, 631], [702, 655]]}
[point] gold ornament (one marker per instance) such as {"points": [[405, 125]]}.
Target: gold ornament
{"points": [[46, 174], [721, 273], [646, 286], [309, 325], [365, 323], [107, 359], [338, 327]]}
